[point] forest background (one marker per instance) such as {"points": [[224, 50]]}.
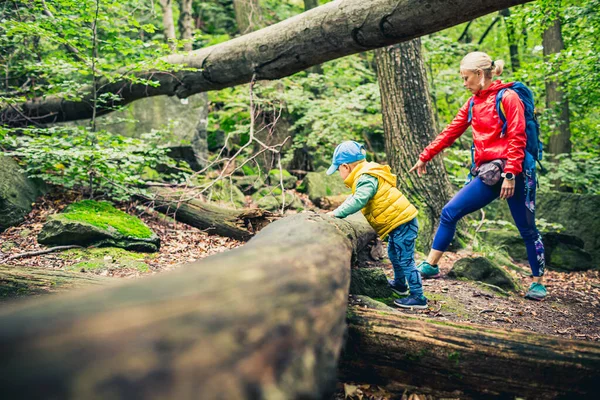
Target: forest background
{"points": [[51, 47]]}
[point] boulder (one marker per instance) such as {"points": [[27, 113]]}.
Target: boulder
{"points": [[289, 180], [319, 185], [89, 222], [248, 184], [577, 213], [182, 122], [563, 252], [566, 253], [17, 193], [269, 198], [226, 193], [483, 270]]}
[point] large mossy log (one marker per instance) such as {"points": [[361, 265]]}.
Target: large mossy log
{"points": [[234, 223], [396, 350], [16, 281], [265, 320]]}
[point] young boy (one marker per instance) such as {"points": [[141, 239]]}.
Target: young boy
{"points": [[389, 213]]}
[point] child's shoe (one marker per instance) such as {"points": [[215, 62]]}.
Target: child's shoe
{"points": [[418, 302], [428, 271], [400, 288], [536, 291]]}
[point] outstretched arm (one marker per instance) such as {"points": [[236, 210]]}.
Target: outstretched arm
{"points": [[366, 187], [457, 127]]}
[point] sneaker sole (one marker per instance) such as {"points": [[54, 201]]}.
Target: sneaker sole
{"points": [[399, 293], [534, 298], [410, 307], [436, 276]]}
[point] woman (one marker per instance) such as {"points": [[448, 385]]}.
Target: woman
{"points": [[505, 149]]}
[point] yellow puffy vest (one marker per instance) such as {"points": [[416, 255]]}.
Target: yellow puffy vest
{"points": [[389, 208]]}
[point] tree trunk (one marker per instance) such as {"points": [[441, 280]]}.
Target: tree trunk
{"points": [[186, 23], [395, 350], [513, 45], [168, 26], [560, 142], [236, 224], [324, 33], [16, 281], [266, 320], [247, 15], [409, 126]]}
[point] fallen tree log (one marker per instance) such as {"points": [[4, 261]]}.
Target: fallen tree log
{"points": [[233, 223], [396, 350], [324, 33], [16, 281], [265, 320]]}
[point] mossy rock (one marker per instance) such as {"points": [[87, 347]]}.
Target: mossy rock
{"points": [[319, 185], [98, 223], [563, 252], [484, 270], [577, 213], [248, 184], [289, 180], [97, 260], [370, 282], [17, 193], [269, 198], [222, 192]]}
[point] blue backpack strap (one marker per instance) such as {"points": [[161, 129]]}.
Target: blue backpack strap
{"points": [[500, 111], [471, 102]]}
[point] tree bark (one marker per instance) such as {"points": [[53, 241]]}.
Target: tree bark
{"points": [[17, 281], [513, 45], [465, 361], [324, 33], [560, 142], [409, 126], [265, 320], [168, 26], [236, 224], [247, 15], [186, 23]]}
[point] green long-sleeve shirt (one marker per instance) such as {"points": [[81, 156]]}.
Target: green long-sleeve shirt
{"points": [[366, 187]]}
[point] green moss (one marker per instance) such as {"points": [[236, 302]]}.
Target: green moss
{"points": [[450, 304], [103, 215], [284, 173], [100, 259]]}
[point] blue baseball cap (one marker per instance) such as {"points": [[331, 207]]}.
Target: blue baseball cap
{"points": [[346, 153]]}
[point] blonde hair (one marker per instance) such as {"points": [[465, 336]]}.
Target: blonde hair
{"points": [[479, 60]]}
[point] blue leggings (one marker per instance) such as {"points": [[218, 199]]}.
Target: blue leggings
{"points": [[477, 195], [401, 250]]}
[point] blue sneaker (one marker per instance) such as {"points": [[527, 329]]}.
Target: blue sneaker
{"points": [[400, 288], [536, 291], [428, 271], [419, 302]]}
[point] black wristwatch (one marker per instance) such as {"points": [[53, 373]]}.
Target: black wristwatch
{"points": [[509, 176]]}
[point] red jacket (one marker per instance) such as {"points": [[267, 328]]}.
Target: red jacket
{"points": [[487, 128]]}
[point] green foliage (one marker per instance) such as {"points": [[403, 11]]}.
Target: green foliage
{"points": [[104, 215], [577, 172], [66, 156]]}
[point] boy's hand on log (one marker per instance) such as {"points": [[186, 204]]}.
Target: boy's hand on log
{"points": [[421, 168], [331, 214]]}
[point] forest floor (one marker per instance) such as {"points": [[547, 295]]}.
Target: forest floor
{"points": [[570, 311]]}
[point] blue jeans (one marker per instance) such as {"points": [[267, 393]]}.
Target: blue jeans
{"points": [[401, 251], [477, 195]]}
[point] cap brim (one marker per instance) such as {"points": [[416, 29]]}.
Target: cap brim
{"points": [[332, 169]]}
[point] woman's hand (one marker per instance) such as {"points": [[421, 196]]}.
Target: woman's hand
{"points": [[421, 168], [508, 189]]}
